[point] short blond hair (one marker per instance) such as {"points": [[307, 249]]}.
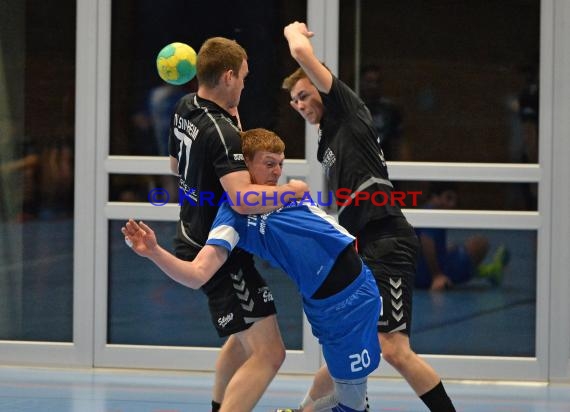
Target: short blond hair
{"points": [[260, 140], [217, 55], [290, 81]]}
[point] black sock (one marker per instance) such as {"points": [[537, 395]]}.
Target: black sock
{"points": [[216, 406], [436, 399]]}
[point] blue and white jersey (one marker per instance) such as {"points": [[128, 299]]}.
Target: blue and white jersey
{"points": [[299, 238]]}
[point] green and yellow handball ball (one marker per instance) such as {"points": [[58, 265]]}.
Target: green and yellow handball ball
{"points": [[176, 63]]}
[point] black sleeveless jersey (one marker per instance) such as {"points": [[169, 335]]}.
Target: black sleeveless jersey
{"points": [[350, 153], [205, 139]]}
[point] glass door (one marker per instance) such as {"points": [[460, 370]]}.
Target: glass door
{"points": [[454, 92], [46, 268]]}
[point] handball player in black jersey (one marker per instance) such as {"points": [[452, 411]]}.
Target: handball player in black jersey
{"points": [[205, 152], [350, 153]]}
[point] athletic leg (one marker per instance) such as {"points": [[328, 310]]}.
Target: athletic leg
{"points": [[397, 352], [265, 350], [393, 261], [348, 396], [350, 348], [231, 357], [477, 247], [418, 373], [242, 309], [322, 385]]}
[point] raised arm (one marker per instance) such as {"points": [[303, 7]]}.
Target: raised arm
{"points": [[142, 240], [298, 35]]}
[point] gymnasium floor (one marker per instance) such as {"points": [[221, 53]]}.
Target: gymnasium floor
{"points": [[58, 390]]}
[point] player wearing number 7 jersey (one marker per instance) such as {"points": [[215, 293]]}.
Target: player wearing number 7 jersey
{"points": [[340, 296]]}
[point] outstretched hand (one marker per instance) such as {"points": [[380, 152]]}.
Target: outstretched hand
{"points": [[140, 238]]}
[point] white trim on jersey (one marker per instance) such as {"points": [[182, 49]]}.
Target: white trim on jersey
{"points": [[325, 216], [219, 132], [188, 238], [216, 123], [226, 233], [367, 183], [187, 143]]}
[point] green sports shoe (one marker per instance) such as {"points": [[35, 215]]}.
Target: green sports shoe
{"points": [[494, 271]]}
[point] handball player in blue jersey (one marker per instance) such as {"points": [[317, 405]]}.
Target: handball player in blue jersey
{"points": [[340, 296]]}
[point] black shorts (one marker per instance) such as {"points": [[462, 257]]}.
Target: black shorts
{"points": [[237, 294], [393, 260]]}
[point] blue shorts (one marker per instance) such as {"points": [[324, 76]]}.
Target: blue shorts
{"points": [[345, 325]]}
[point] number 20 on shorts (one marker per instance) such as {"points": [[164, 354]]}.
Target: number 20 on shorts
{"points": [[359, 361]]}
